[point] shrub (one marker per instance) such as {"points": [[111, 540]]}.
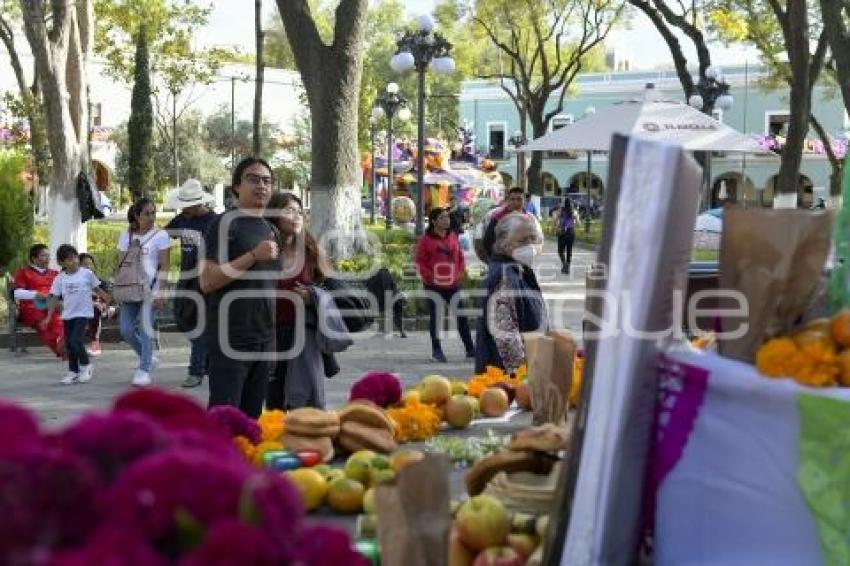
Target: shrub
{"points": [[16, 215]]}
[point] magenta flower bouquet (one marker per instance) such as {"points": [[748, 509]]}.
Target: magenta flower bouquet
{"points": [[382, 388], [156, 481]]}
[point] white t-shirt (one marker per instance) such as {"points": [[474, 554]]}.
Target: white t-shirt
{"points": [[75, 290], [152, 244]]}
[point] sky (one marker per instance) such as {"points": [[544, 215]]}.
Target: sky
{"points": [[232, 23]]}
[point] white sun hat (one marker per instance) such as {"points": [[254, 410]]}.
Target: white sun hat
{"points": [[191, 193]]}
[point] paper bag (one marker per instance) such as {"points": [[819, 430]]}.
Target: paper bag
{"points": [[414, 516], [775, 258], [549, 361]]}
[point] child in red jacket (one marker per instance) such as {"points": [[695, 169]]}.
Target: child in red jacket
{"points": [[442, 267]]}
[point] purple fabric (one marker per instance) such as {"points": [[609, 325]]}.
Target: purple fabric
{"points": [[681, 392]]}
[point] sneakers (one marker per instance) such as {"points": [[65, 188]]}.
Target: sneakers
{"points": [[439, 356], [85, 374], [192, 381], [70, 378], [565, 269], [141, 378], [94, 349]]}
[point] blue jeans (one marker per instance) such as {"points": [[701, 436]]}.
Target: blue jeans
{"points": [[136, 324], [198, 357], [75, 346]]}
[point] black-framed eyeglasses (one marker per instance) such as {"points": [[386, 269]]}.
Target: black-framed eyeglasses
{"points": [[258, 179], [288, 211]]}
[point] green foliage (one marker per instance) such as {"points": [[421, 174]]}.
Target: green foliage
{"points": [[196, 159], [140, 127], [171, 25], [219, 137], [16, 215]]}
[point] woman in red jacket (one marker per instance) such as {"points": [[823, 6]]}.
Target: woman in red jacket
{"points": [[442, 267], [32, 286]]}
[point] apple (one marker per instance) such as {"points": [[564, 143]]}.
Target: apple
{"points": [[459, 411], [483, 521], [523, 396], [524, 544], [435, 389], [507, 388], [459, 555], [499, 556], [494, 402], [402, 458]]}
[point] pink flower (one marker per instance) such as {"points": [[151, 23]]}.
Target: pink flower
{"points": [[48, 499], [170, 410], [113, 441], [383, 389], [214, 444], [326, 545], [111, 546], [163, 494], [234, 422], [20, 429], [273, 503], [231, 542]]}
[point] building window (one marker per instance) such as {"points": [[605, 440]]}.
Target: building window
{"points": [[558, 122], [776, 123], [97, 114], [496, 140]]}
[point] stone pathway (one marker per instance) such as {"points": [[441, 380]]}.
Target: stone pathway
{"points": [[32, 379]]}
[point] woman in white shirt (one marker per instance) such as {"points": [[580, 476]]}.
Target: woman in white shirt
{"points": [[136, 318]]}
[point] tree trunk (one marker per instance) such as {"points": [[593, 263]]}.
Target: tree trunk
{"points": [[834, 161], [834, 19], [258, 82], [140, 125], [535, 166], [62, 53], [331, 76], [795, 25]]}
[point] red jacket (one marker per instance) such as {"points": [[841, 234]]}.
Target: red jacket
{"points": [[440, 261], [31, 280]]}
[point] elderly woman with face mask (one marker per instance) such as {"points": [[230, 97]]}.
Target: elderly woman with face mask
{"points": [[514, 300]]}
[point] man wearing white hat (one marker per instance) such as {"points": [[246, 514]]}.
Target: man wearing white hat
{"points": [[195, 216]]}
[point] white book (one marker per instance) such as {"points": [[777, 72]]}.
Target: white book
{"points": [[648, 261]]}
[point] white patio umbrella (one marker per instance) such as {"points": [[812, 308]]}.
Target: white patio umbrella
{"points": [[648, 118]]}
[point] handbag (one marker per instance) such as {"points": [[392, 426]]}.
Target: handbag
{"points": [[354, 305]]}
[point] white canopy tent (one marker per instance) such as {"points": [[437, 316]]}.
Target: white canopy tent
{"points": [[653, 119]]}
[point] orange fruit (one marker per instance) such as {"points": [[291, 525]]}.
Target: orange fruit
{"points": [[840, 328], [311, 484], [843, 361], [345, 495], [404, 457]]}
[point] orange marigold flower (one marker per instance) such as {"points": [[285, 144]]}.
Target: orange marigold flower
{"points": [[575, 384], [272, 425], [415, 421], [814, 365]]}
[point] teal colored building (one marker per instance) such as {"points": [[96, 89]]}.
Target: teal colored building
{"points": [[756, 111]]}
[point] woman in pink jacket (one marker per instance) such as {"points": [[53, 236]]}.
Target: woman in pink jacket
{"points": [[442, 267]]}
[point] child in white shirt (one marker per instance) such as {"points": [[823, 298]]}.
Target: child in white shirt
{"points": [[75, 286]]}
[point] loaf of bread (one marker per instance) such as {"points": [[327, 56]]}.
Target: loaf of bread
{"points": [[308, 421], [354, 436], [508, 461], [367, 414]]}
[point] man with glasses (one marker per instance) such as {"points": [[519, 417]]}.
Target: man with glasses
{"points": [[239, 277]]}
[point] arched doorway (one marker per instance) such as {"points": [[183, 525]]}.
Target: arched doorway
{"points": [[550, 184], [578, 183], [805, 192], [733, 187]]}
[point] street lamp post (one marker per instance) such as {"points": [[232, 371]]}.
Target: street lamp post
{"points": [[589, 111], [418, 50], [517, 140], [388, 104], [373, 128], [712, 91]]}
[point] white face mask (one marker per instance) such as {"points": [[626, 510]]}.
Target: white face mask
{"points": [[525, 254]]}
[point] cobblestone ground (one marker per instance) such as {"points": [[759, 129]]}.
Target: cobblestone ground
{"points": [[32, 379]]}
